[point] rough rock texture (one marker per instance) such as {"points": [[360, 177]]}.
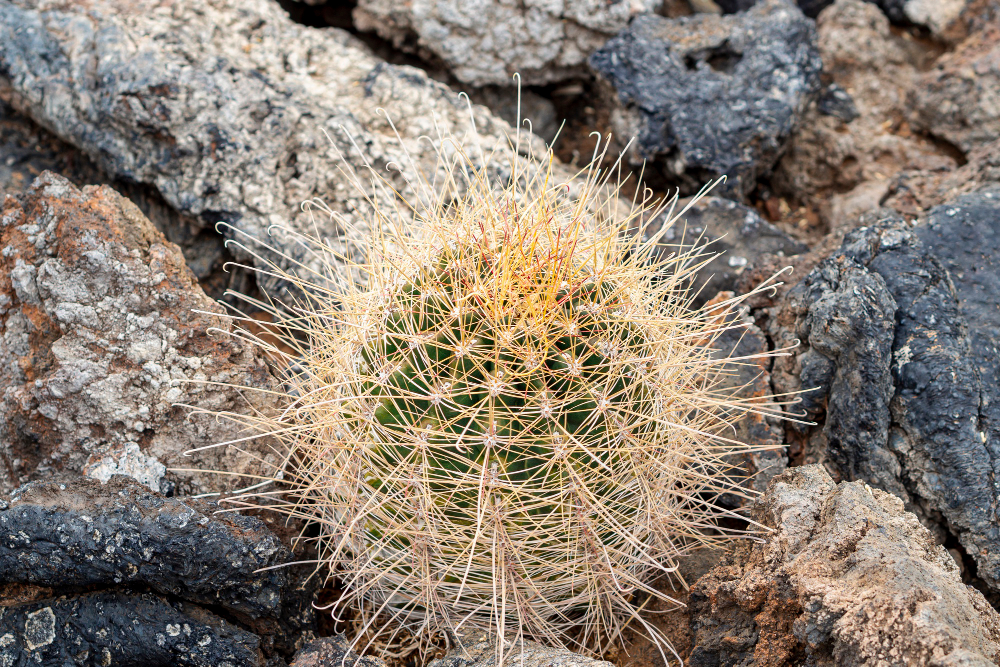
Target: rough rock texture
{"points": [[847, 578], [332, 652], [712, 95], [486, 42], [934, 441], [99, 341], [222, 106], [122, 629], [913, 192], [959, 100], [86, 533], [118, 557], [752, 380], [738, 234], [846, 163], [480, 651]]}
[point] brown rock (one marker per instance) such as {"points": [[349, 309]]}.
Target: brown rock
{"points": [[846, 165], [959, 100], [100, 341], [846, 578]]}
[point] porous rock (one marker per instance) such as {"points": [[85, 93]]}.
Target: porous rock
{"points": [[845, 162], [900, 337], [122, 628], [959, 99], [332, 652], [709, 95], [485, 43], [91, 534], [913, 192], [847, 577], [225, 108], [479, 650], [99, 342]]}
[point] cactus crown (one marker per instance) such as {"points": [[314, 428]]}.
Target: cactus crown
{"points": [[502, 411]]}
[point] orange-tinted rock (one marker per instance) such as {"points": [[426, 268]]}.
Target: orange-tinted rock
{"points": [[101, 339]]}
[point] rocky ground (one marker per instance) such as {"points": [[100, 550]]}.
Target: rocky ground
{"points": [[861, 145]]}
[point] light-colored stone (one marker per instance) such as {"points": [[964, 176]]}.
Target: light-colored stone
{"points": [[486, 41], [99, 343]]}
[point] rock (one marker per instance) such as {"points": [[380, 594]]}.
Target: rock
{"points": [[99, 343], [122, 629], [478, 650], [846, 578], [913, 192], [85, 533], [332, 652], [27, 150], [934, 443], [738, 234], [711, 95], [752, 383], [222, 107], [119, 538], [485, 43], [957, 99], [846, 152]]}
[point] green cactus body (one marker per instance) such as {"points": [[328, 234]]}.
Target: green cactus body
{"points": [[501, 406]]}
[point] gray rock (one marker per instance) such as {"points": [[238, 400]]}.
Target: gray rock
{"points": [[478, 650], [935, 443], [712, 95], [99, 342], [738, 234], [122, 629], [846, 578], [332, 652], [222, 107], [485, 43]]}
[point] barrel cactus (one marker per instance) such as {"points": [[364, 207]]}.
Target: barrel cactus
{"points": [[506, 414]]}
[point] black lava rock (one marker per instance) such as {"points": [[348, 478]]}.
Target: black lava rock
{"points": [[709, 95], [90, 534], [934, 440], [121, 539], [122, 629], [837, 102]]}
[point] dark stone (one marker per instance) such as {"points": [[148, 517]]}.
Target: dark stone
{"points": [[810, 8], [895, 10], [709, 95], [837, 102], [738, 234], [936, 444], [90, 534], [84, 535], [122, 628]]}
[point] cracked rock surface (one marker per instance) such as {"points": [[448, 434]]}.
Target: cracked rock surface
{"points": [[900, 331], [117, 572], [485, 43], [708, 95], [99, 342], [222, 106], [846, 578]]}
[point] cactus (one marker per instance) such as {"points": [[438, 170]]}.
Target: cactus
{"points": [[504, 415]]}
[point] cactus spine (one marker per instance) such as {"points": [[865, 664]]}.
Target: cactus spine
{"points": [[504, 415]]}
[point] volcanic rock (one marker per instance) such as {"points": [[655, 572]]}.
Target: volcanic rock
{"points": [[99, 343], [709, 96], [846, 578]]}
